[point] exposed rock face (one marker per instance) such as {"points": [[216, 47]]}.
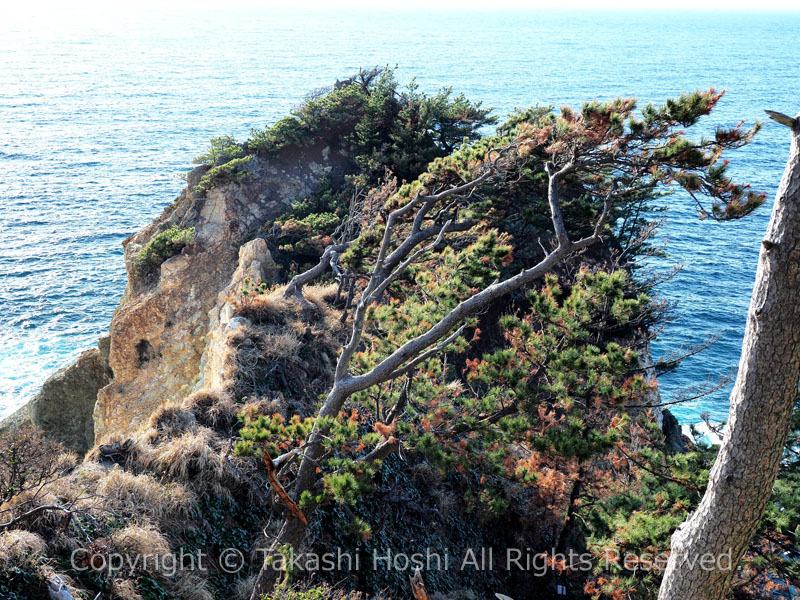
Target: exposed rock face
{"points": [[673, 434], [255, 262], [63, 408], [160, 332]]}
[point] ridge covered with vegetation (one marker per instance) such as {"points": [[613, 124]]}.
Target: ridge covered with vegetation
{"points": [[534, 427]]}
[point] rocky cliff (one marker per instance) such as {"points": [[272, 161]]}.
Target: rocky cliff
{"points": [[160, 346]]}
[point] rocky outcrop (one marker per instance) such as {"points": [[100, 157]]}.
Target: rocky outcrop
{"points": [[255, 262], [63, 408], [160, 332], [673, 434], [161, 345]]}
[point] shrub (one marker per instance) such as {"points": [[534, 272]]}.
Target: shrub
{"points": [[162, 246], [233, 170], [135, 495], [317, 592], [18, 546], [27, 461], [222, 150]]}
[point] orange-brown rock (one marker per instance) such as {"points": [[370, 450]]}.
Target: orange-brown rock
{"points": [[160, 332]]}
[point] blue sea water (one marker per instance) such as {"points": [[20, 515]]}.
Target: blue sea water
{"points": [[100, 113]]}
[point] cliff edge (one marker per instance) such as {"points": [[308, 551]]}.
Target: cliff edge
{"points": [[161, 330]]}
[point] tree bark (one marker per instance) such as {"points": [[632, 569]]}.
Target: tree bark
{"points": [[707, 548]]}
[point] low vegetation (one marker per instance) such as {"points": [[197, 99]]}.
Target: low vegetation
{"points": [[161, 247]]}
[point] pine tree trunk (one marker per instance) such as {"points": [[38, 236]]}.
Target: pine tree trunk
{"points": [[270, 574], [293, 531], [707, 548]]}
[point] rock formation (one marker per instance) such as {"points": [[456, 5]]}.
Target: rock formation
{"points": [[160, 332], [63, 408]]}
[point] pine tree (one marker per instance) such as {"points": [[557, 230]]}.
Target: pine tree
{"points": [[600, 159]]}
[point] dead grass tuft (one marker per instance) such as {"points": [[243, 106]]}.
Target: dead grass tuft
{"points": [[195, 459], [189, 455], [124, 589], [145, 543], [170, 421], [321, 294], [88, 473], [20, 547], [142, 495], [42, 522], [141, 541], [264, 406], [213, 409], [243, 587], [264, 308], [190, 587], [280, 344]]}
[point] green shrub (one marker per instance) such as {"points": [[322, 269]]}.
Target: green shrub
{"points": [[317, 592], [233, 170], [222, 150], [162, 246]]}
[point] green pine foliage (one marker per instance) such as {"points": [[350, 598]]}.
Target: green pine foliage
{"points": [[388, 127], [226, 160], [161, 247], [389, 131], [539, 417]]}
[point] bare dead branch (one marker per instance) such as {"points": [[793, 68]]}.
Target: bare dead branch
{"points": [[329, 258], [426, 355]]}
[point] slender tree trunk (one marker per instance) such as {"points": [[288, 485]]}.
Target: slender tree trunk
{"points": [[290, 537], [707, 548]]}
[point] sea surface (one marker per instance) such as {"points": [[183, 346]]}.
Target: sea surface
{"points": [[101, 113]]}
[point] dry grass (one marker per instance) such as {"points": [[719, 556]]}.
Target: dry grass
{"points": [[193, 459], [273, 308], [18, 546], [142, 495], [187, 456], [124, 589], [252, 345], [141, 541], [265, 406], [321, 294], [88, 474], [242, 588], [264, 308], [189, 586], [213, 409], [145, 543], [41, 522], [170, 421], [280, 344]]}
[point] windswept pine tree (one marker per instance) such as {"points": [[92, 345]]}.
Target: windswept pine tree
{"points": [[447, 350], [427, 261]]}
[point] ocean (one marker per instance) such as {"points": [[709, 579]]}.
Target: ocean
{"points": [[102, 111]]}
